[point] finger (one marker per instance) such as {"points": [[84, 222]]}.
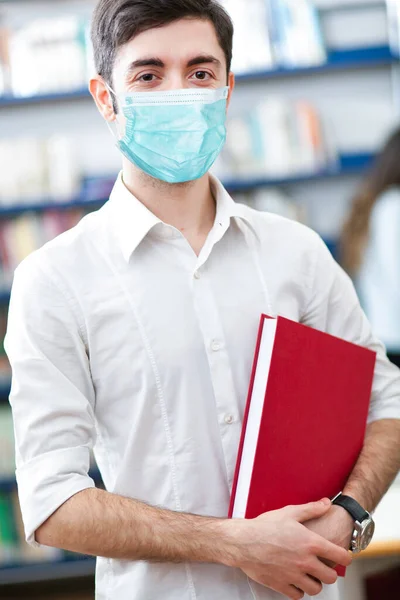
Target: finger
{"points": [[334, 553], [310, 586], [321, 572], [312, 510], [294, 593]]}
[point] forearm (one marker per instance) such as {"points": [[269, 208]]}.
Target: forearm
{"points": [[99, 523], [378, 464]]}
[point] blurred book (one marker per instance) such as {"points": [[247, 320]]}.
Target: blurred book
{"points": [[7, 450], [22, 235], [48, 55], [275, 33], [296, 34], [5, 76], [275, 139], [13, 547], [252, 49], [35, 169], [393, 13]]}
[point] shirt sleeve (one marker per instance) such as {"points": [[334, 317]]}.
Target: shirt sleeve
{"points": [[52, 396], [334, 307]]}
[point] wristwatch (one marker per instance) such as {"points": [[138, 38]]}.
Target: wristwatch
{"points": [[364, 525]]}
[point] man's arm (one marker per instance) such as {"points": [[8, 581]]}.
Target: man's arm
{"points": [[378, 464], [377, 467], [334, 307], [275, 550]]}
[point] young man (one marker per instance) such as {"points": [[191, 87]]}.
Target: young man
{"points": [[134, 334]]}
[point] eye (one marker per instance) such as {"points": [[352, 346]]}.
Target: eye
{"points": [[202, 75], [147, 77]]}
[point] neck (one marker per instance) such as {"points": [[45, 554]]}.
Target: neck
{"points": [[189, 207]]}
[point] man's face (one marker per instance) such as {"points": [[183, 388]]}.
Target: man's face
{"points": [[184, 54]]}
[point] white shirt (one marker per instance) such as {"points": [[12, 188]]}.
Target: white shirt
{"points": [[379, 278], [122, 339]]}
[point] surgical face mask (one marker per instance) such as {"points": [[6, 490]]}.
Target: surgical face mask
{"points": [[174, 135]]}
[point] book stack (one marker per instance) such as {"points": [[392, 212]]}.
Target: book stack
{"points": [[393, 11], [38, 168], [22, 235], [5, 369], [287, 34], [275, 139], [47, 55], [13, 548]]}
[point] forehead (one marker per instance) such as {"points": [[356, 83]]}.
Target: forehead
{"points": [[178, 41]]}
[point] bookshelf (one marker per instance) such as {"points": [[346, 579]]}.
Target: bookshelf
{"points": [[347, 164], [8, 484], [25, 573], [356, 58], [374, 60]]}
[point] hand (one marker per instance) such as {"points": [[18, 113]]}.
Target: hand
{"points": [[336, 525], [277, 551]]}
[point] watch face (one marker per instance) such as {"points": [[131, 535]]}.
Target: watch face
{"points": [[368, 528]]}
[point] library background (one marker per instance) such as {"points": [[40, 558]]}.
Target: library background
{"points": [[317, 96]]}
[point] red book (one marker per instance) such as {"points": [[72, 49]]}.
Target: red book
{"points": [[305, 419]]}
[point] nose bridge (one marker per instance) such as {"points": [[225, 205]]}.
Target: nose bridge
{"points": [[177, 78]]}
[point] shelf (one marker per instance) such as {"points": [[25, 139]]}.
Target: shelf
{"points": [[5, 387], [8, 484], [351, 5], [9, 100], [348, 164], [47, 571], [96, 191], [356, 58]]}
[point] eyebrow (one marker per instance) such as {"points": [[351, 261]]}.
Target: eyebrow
{"points": [[203, 59], [153, 61]]}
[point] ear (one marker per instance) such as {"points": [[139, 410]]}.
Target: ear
{"points": [[231, 84], [102, 97]]}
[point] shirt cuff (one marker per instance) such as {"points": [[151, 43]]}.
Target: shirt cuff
{"points": [[49, 480], [387, 411]]}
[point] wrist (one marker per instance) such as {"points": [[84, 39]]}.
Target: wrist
{"points": [[230, 536], [344, 516], [213, 542], [358, 497]]}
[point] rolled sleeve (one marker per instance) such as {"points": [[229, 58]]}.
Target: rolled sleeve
{"points": [[52, 396], [334, 307]]}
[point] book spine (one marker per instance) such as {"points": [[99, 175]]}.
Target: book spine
{"points": [[245, 417]]}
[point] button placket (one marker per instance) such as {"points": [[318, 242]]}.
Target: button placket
{"points": [[220, 370]]}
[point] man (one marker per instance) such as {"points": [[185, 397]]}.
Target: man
{"points": [[134, 333]]}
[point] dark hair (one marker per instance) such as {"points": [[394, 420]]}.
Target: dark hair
{"points": [[116, 22], [384, 174]]}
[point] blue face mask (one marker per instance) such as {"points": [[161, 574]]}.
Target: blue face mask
{"points": [[175, 135]]}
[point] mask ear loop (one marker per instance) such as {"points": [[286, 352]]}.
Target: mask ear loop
{"points": [[251, 588], [113, 130]]}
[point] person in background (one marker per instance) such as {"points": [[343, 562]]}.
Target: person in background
{"points": [[133, 335], [370, 246]]}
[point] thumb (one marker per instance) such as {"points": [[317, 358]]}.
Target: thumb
{"points": [[312, 510]]}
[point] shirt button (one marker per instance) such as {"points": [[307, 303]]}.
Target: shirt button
{"points": [[197, 275], [215, 345], [228, 419]]}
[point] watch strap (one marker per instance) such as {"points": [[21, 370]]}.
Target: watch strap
{"points": [[352, 506]]}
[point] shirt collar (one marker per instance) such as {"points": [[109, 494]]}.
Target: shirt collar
{"points": [[133, 221]]}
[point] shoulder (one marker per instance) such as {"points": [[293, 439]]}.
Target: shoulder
{"points": [[281, 231], [65, 254]]}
